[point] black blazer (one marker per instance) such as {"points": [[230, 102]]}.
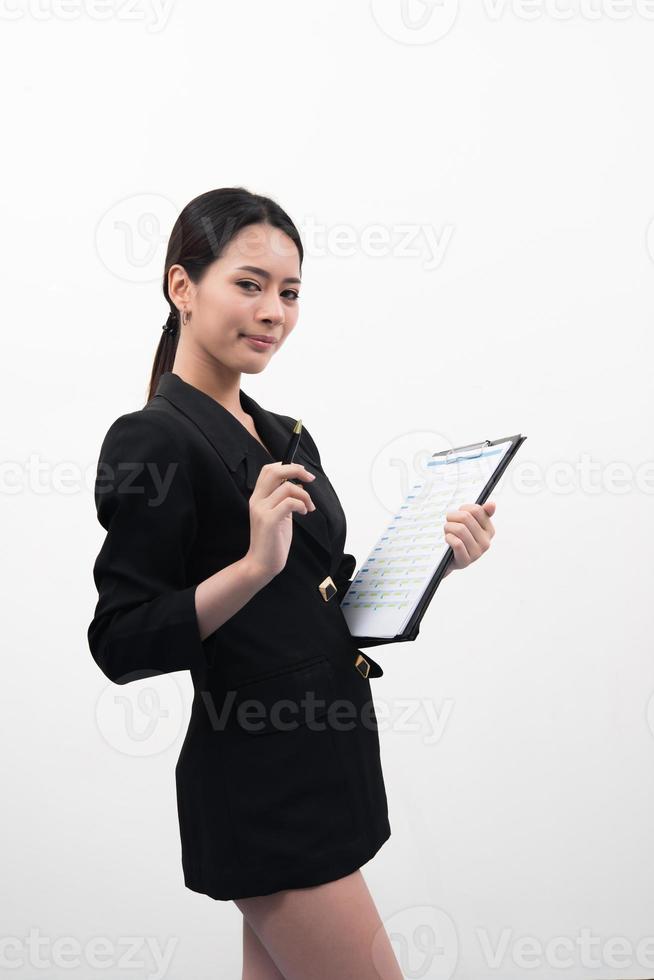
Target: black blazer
{"points": [[172, 489], [262, 806]]}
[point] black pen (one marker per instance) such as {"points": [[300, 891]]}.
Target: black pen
{"points": [[294, 442]]}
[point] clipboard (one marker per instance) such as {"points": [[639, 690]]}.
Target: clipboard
{"points": [[446, 457]]}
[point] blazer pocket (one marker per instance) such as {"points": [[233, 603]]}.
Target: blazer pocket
{"points": [[281, 700]]}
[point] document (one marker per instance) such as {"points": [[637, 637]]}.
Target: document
{"points": [[391, 590]]}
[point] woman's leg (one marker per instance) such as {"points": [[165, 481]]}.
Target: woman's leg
{"points": [[327, 932], [257, 964]]}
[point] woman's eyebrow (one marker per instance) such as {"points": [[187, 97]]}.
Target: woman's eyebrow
{"points": [[266, 275]]}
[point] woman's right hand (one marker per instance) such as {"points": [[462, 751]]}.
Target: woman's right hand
{"points": [[272, 503]]}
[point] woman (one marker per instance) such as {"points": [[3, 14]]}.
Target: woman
{"points": [[217, 561]]}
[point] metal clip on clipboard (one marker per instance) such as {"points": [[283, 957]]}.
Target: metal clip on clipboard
{"points": [[472, 445]]}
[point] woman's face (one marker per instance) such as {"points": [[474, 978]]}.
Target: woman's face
{"points": [[232, 302]]}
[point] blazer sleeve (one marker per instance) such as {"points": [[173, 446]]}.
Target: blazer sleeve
{"points": [[145, 621]]}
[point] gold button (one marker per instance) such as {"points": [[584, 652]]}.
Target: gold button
{"points": [[362, 665], [327, 588]]}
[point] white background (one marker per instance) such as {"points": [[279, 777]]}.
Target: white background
{"points": [[519, 138]]}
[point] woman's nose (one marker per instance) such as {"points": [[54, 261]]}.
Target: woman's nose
{"points": [[272, 311]]}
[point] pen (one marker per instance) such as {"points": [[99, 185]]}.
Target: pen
{"points": [[293, 443]]}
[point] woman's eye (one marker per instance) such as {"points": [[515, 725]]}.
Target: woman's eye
{"points": [[248, 282]]}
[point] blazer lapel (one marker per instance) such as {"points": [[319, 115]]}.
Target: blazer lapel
{"points": [[233, 443]]}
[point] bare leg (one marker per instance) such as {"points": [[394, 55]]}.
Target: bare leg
{"points": [[327, 932], [257, 964]]}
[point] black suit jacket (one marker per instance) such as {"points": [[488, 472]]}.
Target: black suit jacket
{"points": [[272, 802], [172, 489]]}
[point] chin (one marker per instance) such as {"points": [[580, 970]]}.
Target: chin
{"points": [[251, 368]]}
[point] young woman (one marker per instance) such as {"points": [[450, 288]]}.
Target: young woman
{"points": [[221, 560]]}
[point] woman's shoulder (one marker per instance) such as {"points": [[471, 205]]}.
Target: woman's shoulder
{"points": [[145, 432]]}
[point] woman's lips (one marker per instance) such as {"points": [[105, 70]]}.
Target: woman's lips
{"points": [[257, 343]]}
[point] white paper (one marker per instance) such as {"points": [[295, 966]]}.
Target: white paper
{"points": [[388, 586]]}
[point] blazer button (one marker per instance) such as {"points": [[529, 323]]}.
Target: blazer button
{"points": [[327, 588]]}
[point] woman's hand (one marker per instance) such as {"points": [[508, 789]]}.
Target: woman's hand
{"points": [[468, 531], [273, 500]]}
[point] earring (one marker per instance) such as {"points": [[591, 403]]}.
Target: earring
{"points": [[186, 316]]}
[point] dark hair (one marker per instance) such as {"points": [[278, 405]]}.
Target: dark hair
{"points": [[202, 231]]}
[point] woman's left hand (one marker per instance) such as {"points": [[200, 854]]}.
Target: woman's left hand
{"points": [[468, 531]]}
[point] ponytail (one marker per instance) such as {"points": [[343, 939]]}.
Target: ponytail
{"points": [[165, 354]]}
